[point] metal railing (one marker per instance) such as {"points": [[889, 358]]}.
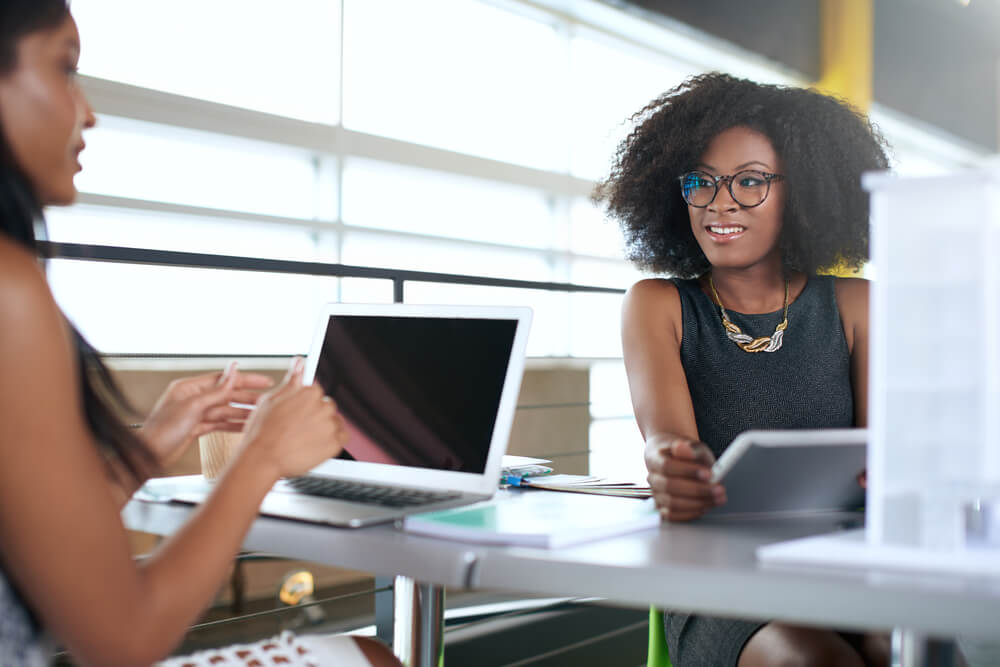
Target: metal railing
{"points": [[399, 277]]}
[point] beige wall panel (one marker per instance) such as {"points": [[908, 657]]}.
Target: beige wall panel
{"points": [[555, 385], [547, 432], [571, 464]]}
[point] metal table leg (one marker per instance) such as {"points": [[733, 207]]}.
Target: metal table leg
{"points": [[384, 609], [418, 624], [913, 649]]}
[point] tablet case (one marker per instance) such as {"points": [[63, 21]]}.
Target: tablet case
{"points": [[791, 472]]}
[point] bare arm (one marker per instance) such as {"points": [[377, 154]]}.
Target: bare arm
{"points": [[678, 464], [852, 299], [61, 538]]}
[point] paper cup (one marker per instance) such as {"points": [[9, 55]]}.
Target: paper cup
{"points": [[216, 451]]}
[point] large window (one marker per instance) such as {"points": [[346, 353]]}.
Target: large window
{"points": [[460, 75], [453, 136], [282, 58]]}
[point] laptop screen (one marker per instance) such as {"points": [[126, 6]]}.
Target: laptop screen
{"points": [[417, 391]]}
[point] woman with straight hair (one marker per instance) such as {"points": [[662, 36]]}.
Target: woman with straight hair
{"points": [[67, 461]]}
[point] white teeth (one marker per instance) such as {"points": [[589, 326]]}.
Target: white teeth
{"points": [[725, 230]]}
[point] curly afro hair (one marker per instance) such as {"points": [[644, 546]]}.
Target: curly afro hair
{"points": [[823, 143]]}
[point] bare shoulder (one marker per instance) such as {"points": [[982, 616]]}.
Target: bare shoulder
{"points": [[852, 295], [653, 295], [657, 292], [32, 323], [24, 291], [653, 304], [852, 286]]}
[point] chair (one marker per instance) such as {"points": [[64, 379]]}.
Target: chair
{"points": [[657, 655]]}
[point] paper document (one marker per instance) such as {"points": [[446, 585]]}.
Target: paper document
{"points": [[512, 462], [537, 519], [599, 486]]}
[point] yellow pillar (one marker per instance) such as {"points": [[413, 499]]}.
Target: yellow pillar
{"points": [[846, 48]]}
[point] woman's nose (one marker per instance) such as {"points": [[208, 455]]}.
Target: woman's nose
{"points": [[723, 200]]}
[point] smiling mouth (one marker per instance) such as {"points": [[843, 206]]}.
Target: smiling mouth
{"points": [[726, 230]]}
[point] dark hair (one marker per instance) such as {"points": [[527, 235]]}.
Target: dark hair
{"points": [[824, 146], [20, 211]]}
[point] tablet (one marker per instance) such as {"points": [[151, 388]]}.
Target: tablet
{"points": [[800, 471]]}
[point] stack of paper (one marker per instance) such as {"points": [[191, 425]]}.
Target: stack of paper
{"points": [[516, 468], [600, 486], [525, 471]]}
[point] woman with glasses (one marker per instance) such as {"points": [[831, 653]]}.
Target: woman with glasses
{"points": [[742, 194], [68, 462]]}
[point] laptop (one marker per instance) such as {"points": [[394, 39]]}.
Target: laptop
{"points": [[429, 394]]}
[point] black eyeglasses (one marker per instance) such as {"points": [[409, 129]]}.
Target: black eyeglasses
{"points": [[749, 188]]}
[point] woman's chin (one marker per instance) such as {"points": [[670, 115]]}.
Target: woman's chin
{"points": [[60, 197]]}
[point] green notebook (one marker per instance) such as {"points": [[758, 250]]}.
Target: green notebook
{"points": [[537, 518]]}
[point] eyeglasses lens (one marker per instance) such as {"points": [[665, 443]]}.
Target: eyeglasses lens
{"points": [[698, 189], [748, 188]]}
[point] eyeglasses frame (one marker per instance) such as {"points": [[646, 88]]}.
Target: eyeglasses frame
{"points": [[768, 177]]}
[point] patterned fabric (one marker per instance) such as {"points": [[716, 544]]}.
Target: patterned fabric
{"points": [[285, 649], [805, 384], [21, 642]]}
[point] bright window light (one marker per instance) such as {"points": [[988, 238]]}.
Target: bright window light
{"points": [[458, 75], [417, 254], [593, 234], [616, 449], [550, 320], [534, 86], [608, 84], [609, 392], [136, 228], [126, 308], [603, 273], [440, 204], [140, 160], [594, 325], [282, 58], [364, 290]]}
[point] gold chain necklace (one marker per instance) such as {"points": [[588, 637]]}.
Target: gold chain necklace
{"points": [[747, 343]]}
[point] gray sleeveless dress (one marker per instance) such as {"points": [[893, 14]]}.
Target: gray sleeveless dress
{"points": [[805, 384], [21, 641]]}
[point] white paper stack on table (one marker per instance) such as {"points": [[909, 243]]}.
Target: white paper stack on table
{"points": [[600, 486], [524, 471], [522, 466]]}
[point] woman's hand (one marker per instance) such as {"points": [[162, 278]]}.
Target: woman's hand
{"points": [[193, 406], [295, 427], [680, 471]]}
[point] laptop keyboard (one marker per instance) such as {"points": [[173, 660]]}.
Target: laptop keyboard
{"points": [[371, 494]]}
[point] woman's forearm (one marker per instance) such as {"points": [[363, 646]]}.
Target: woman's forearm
{"points": [[184, 574]]}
